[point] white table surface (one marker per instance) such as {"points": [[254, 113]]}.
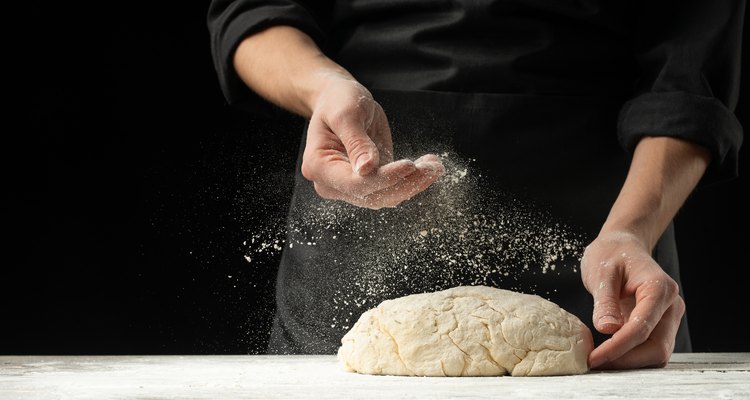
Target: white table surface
{"points": [[688, 376]]}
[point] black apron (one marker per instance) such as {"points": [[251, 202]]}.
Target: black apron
{"points": [[529, 182]]}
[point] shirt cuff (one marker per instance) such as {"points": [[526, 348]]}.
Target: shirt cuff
{"points": [[252, 21], [699, 119]]}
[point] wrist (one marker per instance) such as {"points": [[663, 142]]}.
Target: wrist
{"points": [[627, 232], [311, 91], [285, 66], [641, 216], [662, 174]]}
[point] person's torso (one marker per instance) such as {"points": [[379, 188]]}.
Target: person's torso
{"points": [[521, 100], [492, 46]]}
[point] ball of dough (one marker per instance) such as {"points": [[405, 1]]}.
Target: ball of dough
{"points": [[467, 331]]}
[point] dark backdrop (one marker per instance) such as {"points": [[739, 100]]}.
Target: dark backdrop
{"points": [[133, 186]]}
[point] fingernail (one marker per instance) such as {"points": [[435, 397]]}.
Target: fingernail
{"points": [[426, 165], [432, 168], [361, 160], [419, 160], [608, 320], [408, 170]]}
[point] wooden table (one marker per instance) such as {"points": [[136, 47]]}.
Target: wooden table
{"points": [[688, 376]]}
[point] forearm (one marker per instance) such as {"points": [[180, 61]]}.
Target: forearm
{"points": [[663, 173], [283, 65]]}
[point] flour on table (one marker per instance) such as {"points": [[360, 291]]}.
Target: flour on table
{"points": [[467, 331]]}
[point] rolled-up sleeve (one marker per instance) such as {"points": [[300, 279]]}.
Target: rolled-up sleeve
{"points": [[230, 21], [688, 55]]}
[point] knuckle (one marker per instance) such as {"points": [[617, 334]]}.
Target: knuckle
{"points": [[311, 166], [357, 143], [671, 287], [643, 331], [668, 288], [662, 352], [308, 172]]}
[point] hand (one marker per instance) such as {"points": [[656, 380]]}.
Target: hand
{"points": [[634, 300], [349, 152]]}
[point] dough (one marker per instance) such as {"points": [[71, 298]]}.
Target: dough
{"points": [[467, 331]]}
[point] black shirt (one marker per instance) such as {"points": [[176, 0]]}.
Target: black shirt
{"points": [[677, 61]]}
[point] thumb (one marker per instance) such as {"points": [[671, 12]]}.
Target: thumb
{"points": [[607, 316], [361, 150]]}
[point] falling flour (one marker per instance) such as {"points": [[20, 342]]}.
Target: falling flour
{"points": [[460, 231]]}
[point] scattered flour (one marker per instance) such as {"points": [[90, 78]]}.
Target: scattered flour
{"points": [[461, 231]]}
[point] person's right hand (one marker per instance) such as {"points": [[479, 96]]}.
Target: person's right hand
{"points": [[349, 152]]}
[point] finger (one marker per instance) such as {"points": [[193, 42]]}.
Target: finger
{"points": [[403, 190], [350, 126], [380, 133], [428, 157], [657, 349], [426, 174], [604, 282], [652, 300], [337, 175]]}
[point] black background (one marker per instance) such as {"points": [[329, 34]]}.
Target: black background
{"points": [[132, 186]]}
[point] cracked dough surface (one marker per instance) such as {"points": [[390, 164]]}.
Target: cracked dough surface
{"points": [[467, 331]]}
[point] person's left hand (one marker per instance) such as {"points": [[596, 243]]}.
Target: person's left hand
{"points": [[634, 300]]}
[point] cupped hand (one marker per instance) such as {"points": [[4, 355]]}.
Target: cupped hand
{"points": [[634, 300], [349, 151]]}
